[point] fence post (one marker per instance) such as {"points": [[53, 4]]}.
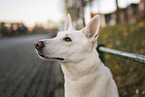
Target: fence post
{"points": [[101, 54]]}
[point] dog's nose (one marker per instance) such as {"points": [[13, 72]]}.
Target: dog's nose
{"points": [[39, 45]]}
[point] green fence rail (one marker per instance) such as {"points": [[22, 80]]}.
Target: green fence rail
{"points": [[134, 57]]}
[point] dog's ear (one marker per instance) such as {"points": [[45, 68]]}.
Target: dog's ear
{"points": [[92, 28], [68, 24]]}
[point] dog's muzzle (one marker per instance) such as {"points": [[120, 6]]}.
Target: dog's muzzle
{"points": [[39, 46]]}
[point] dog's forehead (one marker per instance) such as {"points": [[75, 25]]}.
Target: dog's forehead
{"points": [[69, 33]]}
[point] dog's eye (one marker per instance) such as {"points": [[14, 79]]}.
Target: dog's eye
{"points": [[67, 39]]}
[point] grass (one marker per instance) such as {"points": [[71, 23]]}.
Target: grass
{"points": [[129, 75]]}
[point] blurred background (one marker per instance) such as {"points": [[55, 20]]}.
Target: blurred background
{"points": [[22, 22]]}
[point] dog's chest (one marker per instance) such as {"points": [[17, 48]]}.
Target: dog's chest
{"points": [[81, 88], [77, 89]]}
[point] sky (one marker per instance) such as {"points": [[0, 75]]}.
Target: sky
{"points": [[31, 12]]}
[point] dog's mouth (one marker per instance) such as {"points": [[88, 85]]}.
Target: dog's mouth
{"points": [[51, 58]]}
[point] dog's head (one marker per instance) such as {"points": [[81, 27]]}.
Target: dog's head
{"points": [[70, 45]]}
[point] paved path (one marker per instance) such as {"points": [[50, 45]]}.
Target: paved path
{"points": [[24, 74]]}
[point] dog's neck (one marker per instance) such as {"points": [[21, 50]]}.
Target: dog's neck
{"points": [[81, 77], [88, 66]]}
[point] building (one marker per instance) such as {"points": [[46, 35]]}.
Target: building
{"points": [[9, 29], [131, 14]]}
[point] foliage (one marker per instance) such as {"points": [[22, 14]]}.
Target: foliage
{"points": [[130, 76]]}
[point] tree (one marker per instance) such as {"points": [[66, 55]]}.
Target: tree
{"points": [[117, 5], [117, 13], [144, 8]]}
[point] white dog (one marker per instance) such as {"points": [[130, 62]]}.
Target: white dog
{"points": [[85, 75]]}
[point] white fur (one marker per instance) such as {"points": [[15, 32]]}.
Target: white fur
{"points": [[85, 75]]}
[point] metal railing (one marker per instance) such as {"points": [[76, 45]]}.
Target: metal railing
{"points": [[134, 57]]}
